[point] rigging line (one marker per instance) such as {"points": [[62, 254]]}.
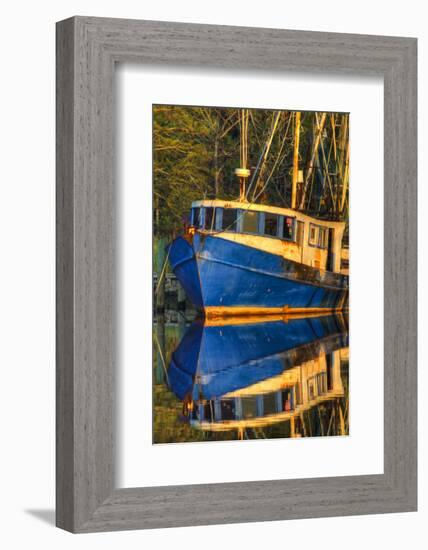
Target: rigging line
{"points": [[162, 272], [280, 151], [333, 141], [345, 180], [264, 187], [326, 166], [332, 414], [254, 125], [255, 171], [341, 146], [162, 357], [268, 146], [261, 191], [184, 316], [316, 139], [254, 198], [310, 190]]}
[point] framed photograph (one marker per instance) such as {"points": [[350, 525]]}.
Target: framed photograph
{"points": [[254, 285], [236, 274]]}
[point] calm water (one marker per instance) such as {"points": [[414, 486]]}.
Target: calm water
{"points": [[247, 378]]}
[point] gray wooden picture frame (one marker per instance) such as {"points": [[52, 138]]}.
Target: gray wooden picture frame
{"points": [[87, 51]]}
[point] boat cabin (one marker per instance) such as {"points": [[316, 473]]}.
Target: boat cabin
{"points": [[282, 231], [276, 399]]}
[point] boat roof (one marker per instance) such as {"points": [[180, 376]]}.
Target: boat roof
{"points": [[254, 207]]}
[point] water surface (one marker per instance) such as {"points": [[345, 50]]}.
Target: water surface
{"points": [[249, 378]]}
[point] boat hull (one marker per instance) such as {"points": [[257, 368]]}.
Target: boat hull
{"points": [[222, 277], [213, 360]]}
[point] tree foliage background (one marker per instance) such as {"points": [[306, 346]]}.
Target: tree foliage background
{"points": [[197, 149]]}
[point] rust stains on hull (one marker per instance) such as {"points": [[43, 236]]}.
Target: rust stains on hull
{"points": [[218, 312]]}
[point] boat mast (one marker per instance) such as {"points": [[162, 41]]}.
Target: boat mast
{"points": [[295, 158], [243, 172]]}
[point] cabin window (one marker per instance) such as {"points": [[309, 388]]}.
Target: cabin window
{"points": [[311, 388], [196, 217], [298, 394], [318, 236], [228, 410], [218, 218], [329, 365], [209, 218], [271, 224], [287, 400], [288, 228], [313, 234], [229, 219], [322, 237], [250, 222], [269, 404], [249, 407], [207, 412]]}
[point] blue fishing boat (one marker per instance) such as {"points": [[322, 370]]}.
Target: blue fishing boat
{"points": [[242, 373], [240, 258]]}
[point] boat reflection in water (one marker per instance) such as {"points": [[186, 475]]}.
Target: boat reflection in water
{"points": [[257, 378]]}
